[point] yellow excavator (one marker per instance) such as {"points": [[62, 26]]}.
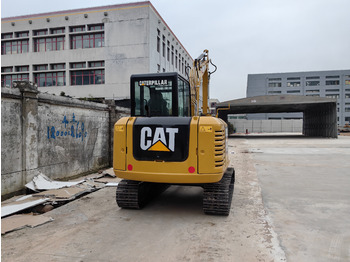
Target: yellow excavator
{"points": [[172, 139]]}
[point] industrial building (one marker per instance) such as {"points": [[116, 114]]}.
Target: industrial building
{"points": [[89, 52], [329, 84]]}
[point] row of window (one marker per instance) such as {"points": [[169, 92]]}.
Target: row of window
{"points": [[308, 83], [59, 66], [307, 78], [347, 95], [172, 55], [79, 77], [53, 43], [52, 31], [94, 75]]}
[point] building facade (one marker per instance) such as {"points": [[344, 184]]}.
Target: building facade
{"points": [[332, 84], [89, 52]]}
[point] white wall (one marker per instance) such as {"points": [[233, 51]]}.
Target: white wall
{"points": [[267, 126]]}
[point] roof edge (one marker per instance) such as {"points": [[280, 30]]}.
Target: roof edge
{"points": [[14, 18]]}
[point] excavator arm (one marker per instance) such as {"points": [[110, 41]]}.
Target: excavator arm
{"points": [[199, 81]]}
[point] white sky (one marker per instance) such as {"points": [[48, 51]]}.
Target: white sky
{"points": [[243, 36]]}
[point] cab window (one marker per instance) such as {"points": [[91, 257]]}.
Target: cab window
{"points": [[153, 100]]}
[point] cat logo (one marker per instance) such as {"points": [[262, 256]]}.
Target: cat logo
{"points": [[158, 141]]}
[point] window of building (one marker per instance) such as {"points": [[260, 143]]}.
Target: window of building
{"points": [[293, 84], [49, 44], [96, 27], [312, 95], [87, 77], [163, 46], [87, 41], [58, 30], [22, 34], [347, 109], [347, 119], [50, 79], [277, 84], [97, 64], [332, 83], [7, 69], [172, 55], [332, 90], [40, 67], [78, 65], [293, 78], [312, 91], [312, 77], [312, 83], [168, 51], [348, 90], [58, 66], [7, 80], [332, 95], [347, 95], [158, 68], [275, 79], [330, 77], [40, 32], [182, 64], [175, 58], [293, 91], [6, 36], [158, 40], [80, 28], [22, 68], [14, 47], [347, 82], [274, 92]]}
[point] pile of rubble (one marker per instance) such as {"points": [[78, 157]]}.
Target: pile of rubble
{"points": [[48, 194]]}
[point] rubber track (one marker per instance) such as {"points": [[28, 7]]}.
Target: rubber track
{"points": [[136, 194], [217, 197]]}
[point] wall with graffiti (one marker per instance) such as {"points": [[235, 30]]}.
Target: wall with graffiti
{"points": [[58, 136], [74, 140]]}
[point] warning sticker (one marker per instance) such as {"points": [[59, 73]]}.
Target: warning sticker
{"points": [[119, 128], [207, 129]]}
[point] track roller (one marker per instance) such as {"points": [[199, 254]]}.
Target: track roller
{"points": [[217, 197], [135, 194]]}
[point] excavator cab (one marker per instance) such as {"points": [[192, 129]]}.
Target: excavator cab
{"points": [[162, 94]]}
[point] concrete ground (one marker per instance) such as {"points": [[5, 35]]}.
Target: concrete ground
{"points": [[306, 191], [291, 202]]}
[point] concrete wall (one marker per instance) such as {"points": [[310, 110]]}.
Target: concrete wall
{"points": [[58, 136], [267, 126]]}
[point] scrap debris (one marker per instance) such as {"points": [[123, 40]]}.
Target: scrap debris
{"points": [[16, 222], [42, 182], [49, 193], [21, 204]]}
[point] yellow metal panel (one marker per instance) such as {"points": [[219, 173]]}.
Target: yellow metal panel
{"points": [[161, 171], [212, 156], [203, 162], [119, 144]]}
